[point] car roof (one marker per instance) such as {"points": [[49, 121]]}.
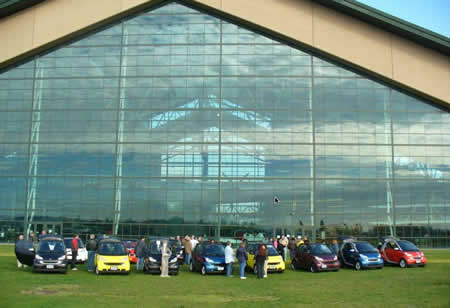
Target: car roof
{"points": [[111, 240], [51, 238]]}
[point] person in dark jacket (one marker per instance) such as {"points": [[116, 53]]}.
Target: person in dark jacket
{"points": [[74, 247], [261, 255], [292, 245], [91, 247], [242, 257], [140, 254]]}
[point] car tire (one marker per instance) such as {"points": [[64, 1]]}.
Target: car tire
{"points": [[97, 272], [358, 266], [403, 263], [203, 271], [313, 268], [293, 266], [191, 267]]}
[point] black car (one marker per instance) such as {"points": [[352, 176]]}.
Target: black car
{"points": [[50, 255], [175, 245], [152, 262]]}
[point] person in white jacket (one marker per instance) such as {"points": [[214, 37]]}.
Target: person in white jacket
{"points": [[229, 259]]}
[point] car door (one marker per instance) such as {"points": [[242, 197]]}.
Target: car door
{"points": [[397, 253], [196, 257], [390, 252], [346, 253]]}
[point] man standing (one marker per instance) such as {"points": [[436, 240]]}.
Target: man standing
{"points": [[140, 254], [74, 252], [187, 250], [292, 245], [91, 247], [43, 234], [229, 259], [284, 242]]}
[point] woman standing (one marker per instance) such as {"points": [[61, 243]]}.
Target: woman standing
{"points": [[261, 256], [242, 257]]}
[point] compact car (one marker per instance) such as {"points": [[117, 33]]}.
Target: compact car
{"points": [[82, 254], [50, 255], [360, 255], [208, 258], [111, 257], [130, 245], [152, 263], [401, 252], [275, 264], [316, 258]]}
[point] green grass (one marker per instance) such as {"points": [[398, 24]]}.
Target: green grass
{"points": [[389, 287]]}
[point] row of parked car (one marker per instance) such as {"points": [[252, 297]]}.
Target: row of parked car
{"points": [[115, 256]]}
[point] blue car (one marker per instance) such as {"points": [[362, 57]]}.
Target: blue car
{"points": [[50, 255], [359, 255], [208, 258]]}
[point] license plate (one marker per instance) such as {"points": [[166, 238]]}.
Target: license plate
{"points": [[272, 267], [417, 261], [50, 266], [324, 266], [220, 268], [114, 268]]}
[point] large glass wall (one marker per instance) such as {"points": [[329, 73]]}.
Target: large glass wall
{"points": [[174, 121]]}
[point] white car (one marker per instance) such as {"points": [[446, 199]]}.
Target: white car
{"points": [[82, 255]]}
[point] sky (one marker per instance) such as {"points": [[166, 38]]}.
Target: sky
{"points": [[433, 15]]}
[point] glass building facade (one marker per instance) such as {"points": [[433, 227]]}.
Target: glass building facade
{"points": [[177, 122]]}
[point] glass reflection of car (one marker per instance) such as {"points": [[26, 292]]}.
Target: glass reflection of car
{"points": [[50, 255], [152, 263], [130, 245], [316, 258], [111, 257], [275, 261], [360, 255], [208, 258], [401, 252], [82, 254]]}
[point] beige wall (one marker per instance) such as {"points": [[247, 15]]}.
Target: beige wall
{"points": [[366, 46]]}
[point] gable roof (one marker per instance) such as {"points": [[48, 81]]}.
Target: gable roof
{"points": [[390, 23]]}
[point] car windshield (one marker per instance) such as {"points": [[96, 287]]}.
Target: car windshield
{"points": [[320, 250], [155, 249], [365, 247], [129, 244], [68, 243], [175, 244], [51, 247], [215, 251], [272, 251], [407, 246], [112, 249]]}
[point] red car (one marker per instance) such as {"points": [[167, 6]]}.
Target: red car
{"points": [[401, 252], [130, 245]]}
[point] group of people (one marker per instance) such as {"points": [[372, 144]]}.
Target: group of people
{"points": [[284, 243]]}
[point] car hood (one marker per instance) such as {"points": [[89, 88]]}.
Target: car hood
{"points": [[157, 257], [370, 255], [273, 259], [216, 259], [327, 257], [113, 259], [50, 256]]}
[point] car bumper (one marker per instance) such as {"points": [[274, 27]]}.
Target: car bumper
{"points": [[377, 264], [104, 268], [39, 267], [324, 267], [275, 268], [154, 268], [415, 262], [215, 268]]}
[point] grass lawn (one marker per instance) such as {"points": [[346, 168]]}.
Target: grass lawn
{"points": [[389, 287]]}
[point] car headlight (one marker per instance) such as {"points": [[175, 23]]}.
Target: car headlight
{"points": [[209, 260], [102, 259], [62, 258], [173, 260], [152, 259], [39, 257], [363, 256], [335, 258], [318, 259], [125, 259], [408, 254]]}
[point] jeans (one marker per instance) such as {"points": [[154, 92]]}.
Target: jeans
{"points": [[292, 254], [91, 255], [284, 253], [260, 269], [187, 258], [229, 269], [242, 268], [139, 264]]}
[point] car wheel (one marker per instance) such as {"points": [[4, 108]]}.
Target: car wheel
{"points": [[357, 266], [293, 266], [191, 267], [97, 272], [313, 268], [403, 263], [204, 270]]}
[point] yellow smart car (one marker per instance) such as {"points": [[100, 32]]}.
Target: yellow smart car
{"points": [[111, 257], [275, 264]]}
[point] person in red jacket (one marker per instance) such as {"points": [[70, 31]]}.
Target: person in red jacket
{"points": [[74, 248]]}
